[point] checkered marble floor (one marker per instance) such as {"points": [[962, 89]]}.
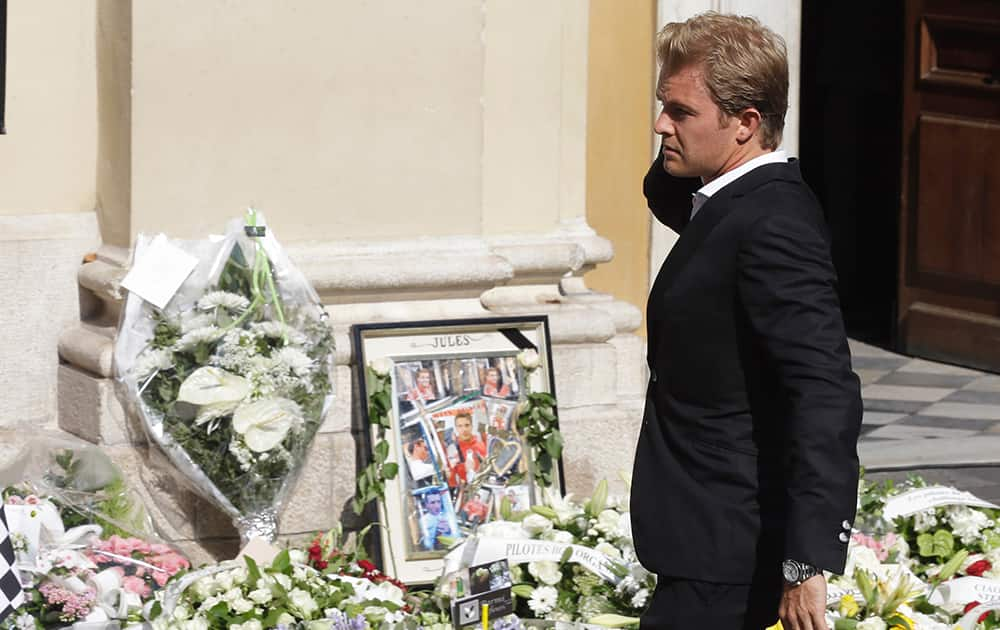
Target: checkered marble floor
{"points": [[934, 412]]}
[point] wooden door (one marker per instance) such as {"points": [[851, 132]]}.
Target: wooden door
{"points": [[949, 281]]}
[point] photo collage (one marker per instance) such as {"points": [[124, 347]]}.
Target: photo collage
{"points": [[463, 454]]}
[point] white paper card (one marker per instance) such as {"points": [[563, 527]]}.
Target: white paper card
{"points": [[482, 550], [921, 499], [159, 270], [262, 552], [24, 522]]}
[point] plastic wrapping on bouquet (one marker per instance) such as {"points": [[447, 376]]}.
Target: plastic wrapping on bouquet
{"points": [[232, 378]]}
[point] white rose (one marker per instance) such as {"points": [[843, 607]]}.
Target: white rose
{"points": [[239, 575], [204, 587], [283, 580], [607, 522], [182, 612], [260, 595], [381, 366], [297, 556], [232, 595], [240, 605], [286, 619], [862, 557], [303, 601], [872, 623], [223, 581], [528, 359], [388, 592], [264, 423], [536, 524], [545, 571]]}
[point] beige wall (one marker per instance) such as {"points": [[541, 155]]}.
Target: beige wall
{"points": [[619, 120], [48, 156], [375, 120]]}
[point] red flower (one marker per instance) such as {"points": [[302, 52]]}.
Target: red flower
{"points": [[367, 566], [321, 564], [978, 567]]}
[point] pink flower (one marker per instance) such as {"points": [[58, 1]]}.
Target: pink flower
{"points": [[137, 585], [15, 500], [32, 500]]}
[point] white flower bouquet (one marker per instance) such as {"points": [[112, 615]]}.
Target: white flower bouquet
{"points": [[285, 594], [232, 377], [570, 562]]}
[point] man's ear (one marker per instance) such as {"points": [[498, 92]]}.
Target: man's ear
{"points": [[749, 122]]}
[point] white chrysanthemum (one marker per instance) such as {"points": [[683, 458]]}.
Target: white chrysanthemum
{"points": [[206, 334], [640, 598], [260, 595], [966, 523], [154, 360], [545, 571], [277, 330], [294, 360], [925, 520], [192, 320], [25, 622], [229, 301], [543, 600], [241, 605]]}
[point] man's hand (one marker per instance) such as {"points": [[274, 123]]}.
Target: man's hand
{"points": [[803, 607]]}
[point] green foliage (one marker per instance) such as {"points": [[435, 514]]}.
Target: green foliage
{"points": [[371, 480], [538, 423], [940, 544]]}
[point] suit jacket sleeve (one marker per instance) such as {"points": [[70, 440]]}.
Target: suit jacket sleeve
{"points": [[787, 286], [669, 197]]}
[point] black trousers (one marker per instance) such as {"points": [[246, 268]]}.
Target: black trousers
{"points": [[681, 604]]}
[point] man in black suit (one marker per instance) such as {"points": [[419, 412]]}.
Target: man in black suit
{"points": [[746, 470]]}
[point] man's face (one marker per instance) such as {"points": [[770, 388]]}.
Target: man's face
{"points": [[463, 426], [423, 379], [420, 450], [693, 142], [434, 503], [492, 377]]}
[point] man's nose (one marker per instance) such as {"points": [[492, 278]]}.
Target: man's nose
{"points": [[663, 125]]}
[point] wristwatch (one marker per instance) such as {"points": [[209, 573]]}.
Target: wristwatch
{"points": [[796, 572]]}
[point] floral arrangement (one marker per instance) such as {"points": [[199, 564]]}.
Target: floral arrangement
{"points": [[567, 591], [233, 376], [286, 593]]}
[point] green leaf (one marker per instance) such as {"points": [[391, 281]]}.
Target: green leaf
{"points": [[155, 610], [390, 470], [940, 545], [845, 624], [506, 507], [282, 562], [545, 511], [523, 590], [950, 567], [566, 555], [599, 500], [253, 573], [381, 451]]}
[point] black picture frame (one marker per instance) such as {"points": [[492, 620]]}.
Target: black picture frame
{"points": [[458, 351]]}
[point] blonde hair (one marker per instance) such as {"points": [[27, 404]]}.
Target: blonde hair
{"points": [[745, 65]]}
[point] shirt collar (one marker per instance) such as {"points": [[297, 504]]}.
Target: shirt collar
{"points": [[714, 186]]}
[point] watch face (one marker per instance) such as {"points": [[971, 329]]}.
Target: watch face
{"points": [[790, 572]]}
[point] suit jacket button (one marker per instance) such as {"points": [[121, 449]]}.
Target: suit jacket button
{"points": [[846, 525], [652, 375], [843, 537]]}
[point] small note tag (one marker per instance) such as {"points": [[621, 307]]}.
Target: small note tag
{"points": [[921, 499], [255, 231], [260, 550], [158, 271]]}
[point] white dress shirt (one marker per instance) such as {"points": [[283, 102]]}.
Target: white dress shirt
{"points": [[705, 192]]}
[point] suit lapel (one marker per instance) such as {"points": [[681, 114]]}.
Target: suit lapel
{"points": [[712, 212]]}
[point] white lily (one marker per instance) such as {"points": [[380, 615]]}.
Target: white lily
{"points": [[264, 423], [213, 386]]}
